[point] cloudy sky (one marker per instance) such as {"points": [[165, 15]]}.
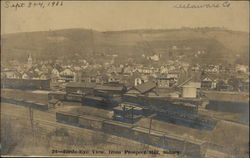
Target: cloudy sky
{"points": [[106, 16]]}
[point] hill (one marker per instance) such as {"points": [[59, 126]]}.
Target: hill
{"points": [[220, 45]]}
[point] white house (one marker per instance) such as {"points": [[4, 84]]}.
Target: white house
{"points": [[25, 76], [67, 72], [138, 81], [55, 72], [242, 68]]}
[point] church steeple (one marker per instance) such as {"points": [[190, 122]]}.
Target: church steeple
{"points": [[30, 60]]}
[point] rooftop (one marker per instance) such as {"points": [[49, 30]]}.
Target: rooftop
{"points": [[109, 88], [81, 85], [145, 87]]}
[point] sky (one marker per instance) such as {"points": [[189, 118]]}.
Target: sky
{"points": [[126, 15]]}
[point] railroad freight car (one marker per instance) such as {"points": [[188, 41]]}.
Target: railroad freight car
{"points": [[117, 128], [57, 95], [153, 138], [67, 118], [26, 83], [143, 135], [94, 101], [25, 103], [74, 97], [174, 105], [183, 146], [91, 122], [196, 121]]}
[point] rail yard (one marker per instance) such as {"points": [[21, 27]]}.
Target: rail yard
{"points": [[149, 127]]}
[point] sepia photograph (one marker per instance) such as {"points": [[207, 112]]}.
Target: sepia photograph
{"points": [[125, 78]]}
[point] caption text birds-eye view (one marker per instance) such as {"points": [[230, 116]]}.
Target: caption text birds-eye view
{"points": [[135, 79]]}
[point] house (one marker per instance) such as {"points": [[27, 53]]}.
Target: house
{"points": [[138, 81], [241, 68], [113, 79], [100, 79], [155, 57], [163, 70], [12, 74], [37, 70], [35, 75], [119, 70], [189, 88], [67, 75], [25, 76], [67, 72], [44, 69], [77, 76], [163, 82], [44, 76], [128, 70], [173, 75], [208, 82], [244, 85], [145, 78], [55, 72]]}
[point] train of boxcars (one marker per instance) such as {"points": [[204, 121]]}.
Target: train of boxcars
{"points": [[173, 111], [129, 131]]}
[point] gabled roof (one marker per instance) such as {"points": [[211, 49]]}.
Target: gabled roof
{"points": [[208, 77], [145, 87], [81, 84], [190, 83], [185, 82]]}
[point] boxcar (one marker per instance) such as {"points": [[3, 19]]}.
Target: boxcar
{"points": [[57, 95], [142, 135], [67, 118], [91, 122], [183, 146], [118, 128], [74, 97]]}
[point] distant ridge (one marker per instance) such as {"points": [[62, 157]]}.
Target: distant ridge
{"points": [[221, 45]]}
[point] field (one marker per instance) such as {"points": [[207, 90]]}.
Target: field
{"points": [[48, 135]]}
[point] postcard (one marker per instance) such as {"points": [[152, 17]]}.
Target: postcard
{"points": [[125, 79]]}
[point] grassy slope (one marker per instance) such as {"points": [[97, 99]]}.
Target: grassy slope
{"points": [[220, 44]]}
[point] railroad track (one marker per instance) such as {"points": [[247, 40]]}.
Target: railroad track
{"points": [[73, 129], [39, 118]]}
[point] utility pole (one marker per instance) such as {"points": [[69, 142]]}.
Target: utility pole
{"points": [[32, 123], [150, 123], [132, 114]]}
